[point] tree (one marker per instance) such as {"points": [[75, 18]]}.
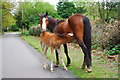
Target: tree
{"points": [[30, 13], [7, 17], [80, 7], [65, 9]]}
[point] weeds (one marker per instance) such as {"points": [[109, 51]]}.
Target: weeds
{"points": [[113, 50]]}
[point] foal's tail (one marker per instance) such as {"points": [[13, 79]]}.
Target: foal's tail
{"points": [[87, 35]]}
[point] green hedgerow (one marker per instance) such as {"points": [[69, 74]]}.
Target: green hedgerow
{"points": [[26, 33], [113, 50]]}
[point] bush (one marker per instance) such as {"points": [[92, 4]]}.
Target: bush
{"points": [[35, 30], [14, 28], [38, 31], [31, 30], [106, 35], [113, 50], [26, 33]]}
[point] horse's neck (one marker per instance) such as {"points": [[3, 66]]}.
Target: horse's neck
{"points": [[52, 24], [60, 27]]}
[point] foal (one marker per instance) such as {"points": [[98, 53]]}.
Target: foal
{"points": [[53, 41]]}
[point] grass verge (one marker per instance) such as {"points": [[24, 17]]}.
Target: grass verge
{"points": [[100, 69]]}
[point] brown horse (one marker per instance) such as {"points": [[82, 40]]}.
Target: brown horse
{"points": [[80, 26]]}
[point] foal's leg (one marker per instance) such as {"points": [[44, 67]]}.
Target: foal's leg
{"points": [[52, 58], [59, 51], [66, 52], [44, 51], [57, 59], [43, 54]]}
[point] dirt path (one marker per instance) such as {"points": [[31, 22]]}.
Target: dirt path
{"points": [[20, 60]]}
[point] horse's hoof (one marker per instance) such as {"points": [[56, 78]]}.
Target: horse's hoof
{"points": [[56, 65], [68, 65], [83, 67], [65, 69], [45, 66], [89, 71], [51, 70]]}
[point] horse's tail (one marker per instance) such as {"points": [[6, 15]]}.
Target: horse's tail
{"points": [[87, 35]]}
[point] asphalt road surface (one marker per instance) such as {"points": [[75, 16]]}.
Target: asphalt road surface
{"points": [[20, 60]]}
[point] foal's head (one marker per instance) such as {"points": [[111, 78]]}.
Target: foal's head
{"points": [[44, 21]]}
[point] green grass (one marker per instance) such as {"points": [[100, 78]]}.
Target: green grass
{"points": [[100, 69]]}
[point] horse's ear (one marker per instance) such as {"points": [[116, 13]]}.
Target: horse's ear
{"points": [[46, 13]]}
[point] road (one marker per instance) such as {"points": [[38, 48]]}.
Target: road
{"points": [[20, 60]]}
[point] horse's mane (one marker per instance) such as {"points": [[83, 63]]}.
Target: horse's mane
{"points": [[59, 21]]}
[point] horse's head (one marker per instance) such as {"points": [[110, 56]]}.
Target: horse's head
{"points": [[44, 21]]}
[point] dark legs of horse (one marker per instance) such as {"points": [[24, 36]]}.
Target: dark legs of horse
{"points": [[84, 63], [66, 52], [57, 58], [88, 45], [87, 57]]}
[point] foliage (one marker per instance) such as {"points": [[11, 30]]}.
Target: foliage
{"points": [[35, 30], [105, 11], [27, 14], [7, 17], [26, 33], [105, 35], [113, 50], [14, 27], [112, 35], [65, 9], [80, 7]]}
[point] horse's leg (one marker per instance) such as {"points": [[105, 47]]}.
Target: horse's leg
{"points": [[86, 56], [59, 51], [87, 60], [84, 64], [57, 59], [52, 58], [66, 52], [44, 50], [88, 45]]}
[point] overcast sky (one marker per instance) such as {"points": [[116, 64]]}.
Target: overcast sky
{"points": [[53, 2]]}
